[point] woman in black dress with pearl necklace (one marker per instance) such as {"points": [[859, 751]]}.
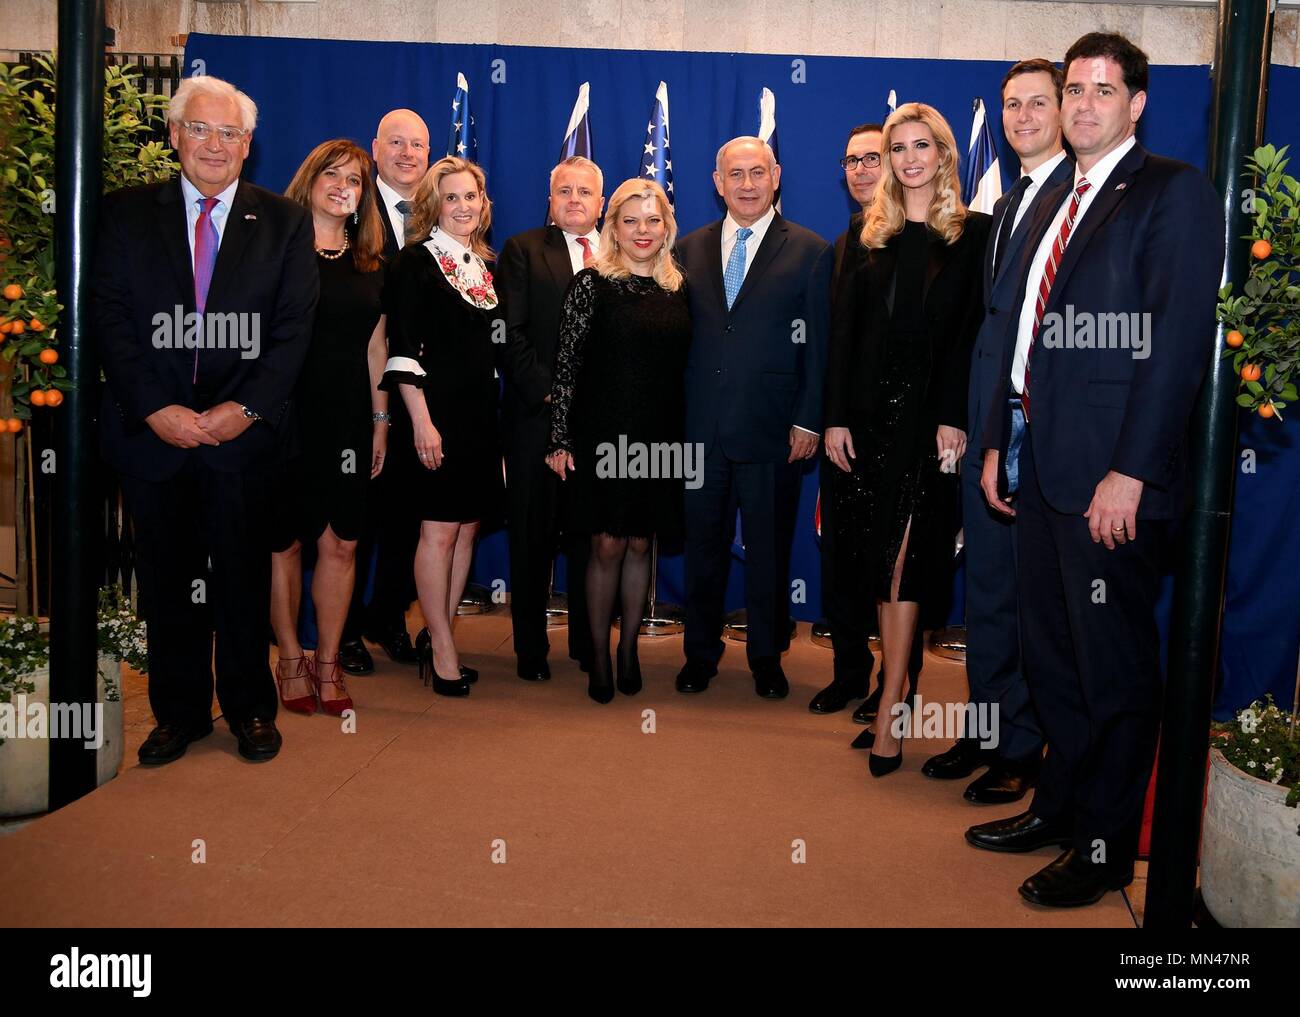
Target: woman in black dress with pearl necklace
{"points": [[339, 425], [441, 307], [617, 400]]}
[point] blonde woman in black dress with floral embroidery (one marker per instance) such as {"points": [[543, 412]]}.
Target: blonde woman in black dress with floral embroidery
{"points": [[619, 384], [441, 305]]}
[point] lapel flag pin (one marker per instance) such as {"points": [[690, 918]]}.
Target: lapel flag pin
{"points": [[250, 215], [1120, 187]]}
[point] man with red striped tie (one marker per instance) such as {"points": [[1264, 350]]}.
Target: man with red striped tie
{"points": [[1107, 351], [204, 291]]}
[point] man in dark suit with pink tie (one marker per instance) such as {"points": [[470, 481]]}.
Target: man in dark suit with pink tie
{"points": [[204, 293], [1107, 348]]}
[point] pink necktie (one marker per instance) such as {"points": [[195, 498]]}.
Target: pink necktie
{"points": [[206, 240], [585, 244]]}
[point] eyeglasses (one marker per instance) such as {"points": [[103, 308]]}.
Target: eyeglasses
{"points": [[850, 162], [200, 131]]}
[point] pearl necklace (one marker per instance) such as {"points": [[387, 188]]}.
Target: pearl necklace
{"points": [[337, 254]]}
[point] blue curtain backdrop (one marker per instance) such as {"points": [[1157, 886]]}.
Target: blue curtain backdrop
{"points": [[310, 90]]}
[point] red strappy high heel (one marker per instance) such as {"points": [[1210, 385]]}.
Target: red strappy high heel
{"points": [[300, 704], [334, 707]]}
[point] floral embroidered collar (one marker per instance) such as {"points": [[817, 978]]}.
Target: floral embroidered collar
{"points": [[463, 269]]}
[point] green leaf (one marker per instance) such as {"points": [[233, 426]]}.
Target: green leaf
{"points": [[1245, 400]]}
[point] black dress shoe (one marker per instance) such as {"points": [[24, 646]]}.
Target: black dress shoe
{"points": [[469, 674], [963, 759], [770, 681], [1025, 832], [258, 739], [836, 696], [396, 643], [1005, 781], [1073, 881], [864, 740], [533, 669], [168, 742], [354, 658], [695, 676]]}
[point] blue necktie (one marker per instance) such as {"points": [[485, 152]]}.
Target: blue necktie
{"points": [[735, 273]]}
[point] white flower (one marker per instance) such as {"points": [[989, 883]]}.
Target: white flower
{"points": [[1251, 764]]}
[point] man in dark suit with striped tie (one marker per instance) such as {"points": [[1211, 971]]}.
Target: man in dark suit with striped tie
{"points": [[1107, 347], [401, 152], [1031, 120], [760, 303], [195, 427]]}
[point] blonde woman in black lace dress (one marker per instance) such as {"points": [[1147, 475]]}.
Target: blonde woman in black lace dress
{"points": [[618, 394]]}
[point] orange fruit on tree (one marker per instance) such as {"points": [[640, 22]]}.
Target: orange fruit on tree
{"points": [[1259, 250], [49, 356], [37, 397], [16, 327], [13, 425], [1234, 339], [13, 292], [1265, 410], [36, 325], [1249, 372], [53, 397]]}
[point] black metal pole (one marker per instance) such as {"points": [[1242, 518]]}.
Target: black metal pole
{"points": [[1240, 86], [78, 174]]}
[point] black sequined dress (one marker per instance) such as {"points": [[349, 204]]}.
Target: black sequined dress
{"points": [[618, 402]]}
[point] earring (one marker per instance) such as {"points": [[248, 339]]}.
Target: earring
{"points": [[356, 218], [433, 230]]}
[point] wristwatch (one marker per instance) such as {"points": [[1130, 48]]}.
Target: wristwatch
{"points": [[251, 414]]}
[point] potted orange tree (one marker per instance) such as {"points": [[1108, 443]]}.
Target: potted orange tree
{"points": [[1250, 842]]}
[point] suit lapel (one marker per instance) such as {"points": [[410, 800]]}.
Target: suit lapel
{"points": [[556, 250], [1114, 191], [241, 224], [999, 210], [173, 230], [713, 264], [937, 260], [773, 241]]}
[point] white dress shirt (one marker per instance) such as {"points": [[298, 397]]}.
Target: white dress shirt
{"points": [[752, 243], [1097, 177], [390, 199], [575, 249], [1037, 177], [219, 212]]}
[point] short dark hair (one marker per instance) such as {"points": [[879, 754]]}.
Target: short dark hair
{"points": [[1035, 66], [863, 129], [1132, 61]]}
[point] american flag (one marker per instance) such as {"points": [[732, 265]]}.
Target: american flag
{"points": [[460, 138], [767, 130], [656, 158]]}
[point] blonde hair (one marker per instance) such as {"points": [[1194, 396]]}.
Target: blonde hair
{"points": [[947, 213], [609, 263], [426, 199]]}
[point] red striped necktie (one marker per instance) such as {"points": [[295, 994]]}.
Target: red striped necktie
{"points": [[1049, 276]]}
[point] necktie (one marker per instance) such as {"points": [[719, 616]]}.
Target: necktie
{"points": [[585, 244], [1049, 276], [734, 276], [404, 207], [206, 241], [1008, 224]]}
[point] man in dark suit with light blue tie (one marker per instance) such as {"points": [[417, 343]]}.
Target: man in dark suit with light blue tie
{"points": [[760, 303], [1107, 348], [1031, 120]]}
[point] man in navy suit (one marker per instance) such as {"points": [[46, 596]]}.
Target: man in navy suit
{"points": [[194, 423], [760, 300], [1107, 349], [1031, 120]]}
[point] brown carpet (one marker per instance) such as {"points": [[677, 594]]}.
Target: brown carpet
{"points": [[599, 823]]}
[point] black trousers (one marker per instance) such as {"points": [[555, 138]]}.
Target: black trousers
{"points": [[847, 601], [1092, 660], [533, 494], [767, 495], [203, 560]]}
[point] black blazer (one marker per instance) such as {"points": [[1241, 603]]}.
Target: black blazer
{"points": [[1002, 300], [954, 307], [266, 269], [1151, 243], [758, 369], [533, 274], [847, 243], [391, 242]]}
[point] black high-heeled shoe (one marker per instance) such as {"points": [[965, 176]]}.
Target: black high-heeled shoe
{"points": [[469, 674], [601, 692], [881, 766], [864, 740], [429, 676], [629, 680]]}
